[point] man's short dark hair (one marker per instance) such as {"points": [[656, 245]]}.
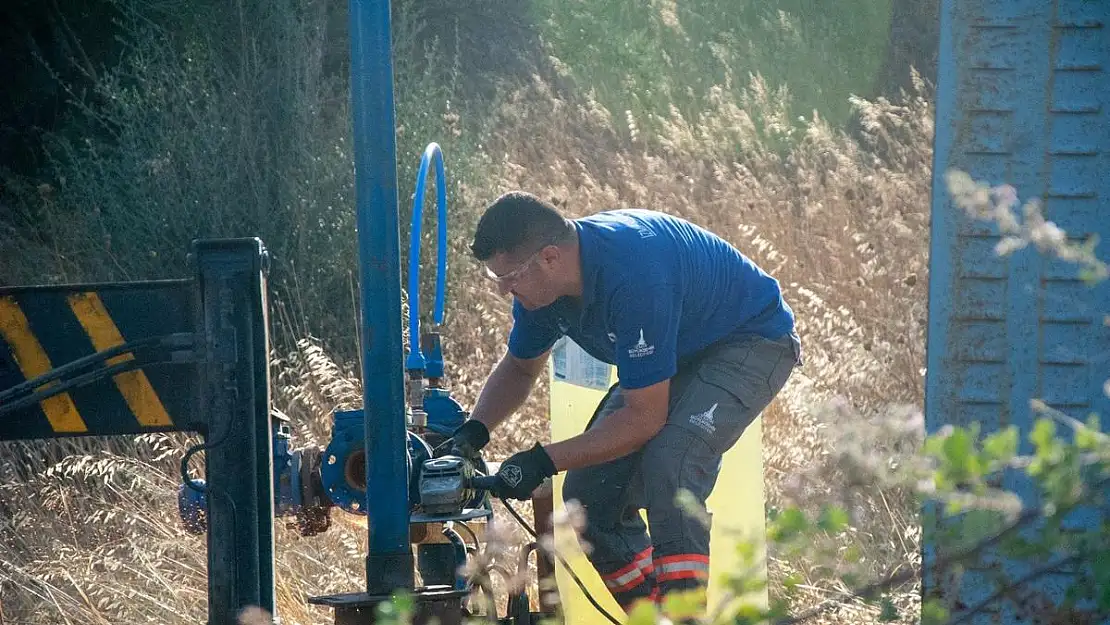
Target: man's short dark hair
{"points": [[519, 221]]}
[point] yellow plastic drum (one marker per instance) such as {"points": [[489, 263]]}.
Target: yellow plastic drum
{"points": [[578, 382]]}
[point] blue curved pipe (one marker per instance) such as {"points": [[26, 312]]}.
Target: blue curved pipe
{"points": [[415, 358]]}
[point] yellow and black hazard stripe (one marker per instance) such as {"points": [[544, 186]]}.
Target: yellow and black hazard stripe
{"points": [[44, 328], [134, 385], [33, 362]]}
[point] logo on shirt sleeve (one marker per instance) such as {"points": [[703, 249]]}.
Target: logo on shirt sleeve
{"points": [[641, 348]]}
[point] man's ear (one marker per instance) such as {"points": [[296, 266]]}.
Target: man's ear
{"points": [[552, 254]]}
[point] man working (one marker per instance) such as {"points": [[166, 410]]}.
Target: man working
{"points": [[702, 341]]}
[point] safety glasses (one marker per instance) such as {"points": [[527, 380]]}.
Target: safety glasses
{"points": [[510, 278]]}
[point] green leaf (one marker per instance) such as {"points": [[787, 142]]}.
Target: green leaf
{"points": [[1087, 438], [397, 611], [852, 553], [979, 524], [888, 613], [683, 604], [747, 583], [933, 612], [644, 613], [749, 615], [833, 519], [791, 582], [1043, 434], [1001, 446], [745, 551], [953, 507], [959, 460], [934, 445], [780, 608], [1019, 547], [1048, 450], [789, 524]]}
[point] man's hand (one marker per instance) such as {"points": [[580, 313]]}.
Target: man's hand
{"points": [[468, 439], [523, 473]]}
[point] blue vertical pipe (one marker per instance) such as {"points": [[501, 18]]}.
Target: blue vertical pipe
{"points": [[389, 562]]}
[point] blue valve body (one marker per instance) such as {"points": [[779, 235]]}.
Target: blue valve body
{"points": [[343, 480]]}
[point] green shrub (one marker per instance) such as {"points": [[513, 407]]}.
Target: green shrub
{"points": [[645, 57], [193, 136]]}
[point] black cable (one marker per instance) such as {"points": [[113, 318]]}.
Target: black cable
{"points": [[519, 519], [581, 585], [469, 531], [80, 363], [180, 339], [189, 483], [445, 444], [72, 383]]}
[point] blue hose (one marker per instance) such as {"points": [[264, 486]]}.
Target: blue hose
{"points": [[415, 358]]}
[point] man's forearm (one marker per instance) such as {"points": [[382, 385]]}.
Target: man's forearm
{"points": [[505, 391], [619, 434]]}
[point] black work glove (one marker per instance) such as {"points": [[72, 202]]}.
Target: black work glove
{"points": [[468, 439], [523, 473]]}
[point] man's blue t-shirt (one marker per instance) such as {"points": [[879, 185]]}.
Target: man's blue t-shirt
{"points": [[656, 289]]}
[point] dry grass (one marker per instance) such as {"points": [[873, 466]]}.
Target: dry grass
{"points": [[843, 224]]}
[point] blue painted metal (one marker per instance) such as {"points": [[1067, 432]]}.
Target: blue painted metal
{"points": [[288, 489], [431, 154], [444, 413], [433, 349], [1023, 98], [192, 506], [389, 562], [341, 469]]}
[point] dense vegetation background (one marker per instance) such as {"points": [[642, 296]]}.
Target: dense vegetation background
{"points": [[129, 127]]}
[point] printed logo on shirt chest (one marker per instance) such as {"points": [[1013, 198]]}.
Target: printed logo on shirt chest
{"points": [[641, 348], [612, 337], [643, 231]]}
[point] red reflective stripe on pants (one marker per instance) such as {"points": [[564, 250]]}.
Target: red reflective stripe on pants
{"points": [[687, 574], [683, 557], [634, 579], [631, 575], [638, 562], [685, 566]]}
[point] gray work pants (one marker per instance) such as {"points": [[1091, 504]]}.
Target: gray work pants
{"points": [[712, 400]]}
